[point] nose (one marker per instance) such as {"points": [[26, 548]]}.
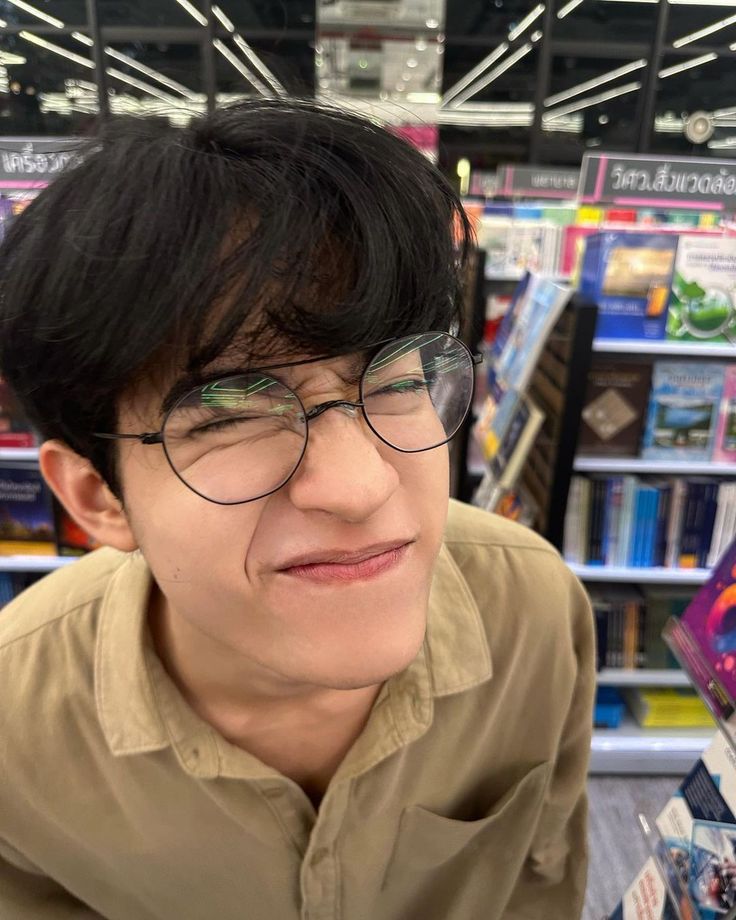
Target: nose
{"points": [[346, 470]]}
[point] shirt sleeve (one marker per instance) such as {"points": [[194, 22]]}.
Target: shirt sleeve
{"points": [[552, 882], [27, 894]]}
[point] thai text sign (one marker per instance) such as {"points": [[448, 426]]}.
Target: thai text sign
{"points": [[650, 180]]}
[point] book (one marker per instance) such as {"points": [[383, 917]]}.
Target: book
{"points": [[724, 447], [15, 430], [614, 408], [629, 275], [667, 708], [701, 306], [683, 410], [704, 640], [71, 539], [26, 513]]}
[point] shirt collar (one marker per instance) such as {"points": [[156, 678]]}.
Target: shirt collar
{"points": [[136, 700]]}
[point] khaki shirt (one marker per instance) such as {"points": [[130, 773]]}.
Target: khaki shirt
{"points": [[463, 798]]}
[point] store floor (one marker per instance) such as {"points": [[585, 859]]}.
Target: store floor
{"points": [[617, 848]]}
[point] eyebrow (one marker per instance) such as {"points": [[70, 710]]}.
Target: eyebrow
{"points": [[192, 381]]}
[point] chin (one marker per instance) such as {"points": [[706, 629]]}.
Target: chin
{"points": [[350, 666]]}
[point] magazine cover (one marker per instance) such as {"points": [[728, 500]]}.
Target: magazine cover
{"points": [[695, 852], [702, 300], [683, 410], [542, 306], [704, 639], [724, 448]]}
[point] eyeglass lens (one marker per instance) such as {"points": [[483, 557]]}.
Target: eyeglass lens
{"points": [[242, 437]]}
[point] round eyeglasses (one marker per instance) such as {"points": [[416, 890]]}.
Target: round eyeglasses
{"points": [[240, 438]]}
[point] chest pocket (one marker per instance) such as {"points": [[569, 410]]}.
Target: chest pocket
{"points": [[444, 868]]}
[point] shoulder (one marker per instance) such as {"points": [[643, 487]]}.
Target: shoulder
{"points": [[471, 526], [519, 582], [50, 601]]}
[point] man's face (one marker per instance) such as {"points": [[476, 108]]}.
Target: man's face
{"points": [[245, 575]]}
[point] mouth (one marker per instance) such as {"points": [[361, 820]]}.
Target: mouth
{"points": [[366, 563]]}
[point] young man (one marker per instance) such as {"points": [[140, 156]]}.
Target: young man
{"points": [[291, 685]]}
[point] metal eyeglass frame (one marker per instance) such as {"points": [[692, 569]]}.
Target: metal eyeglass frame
{"points": [[157, 437]]}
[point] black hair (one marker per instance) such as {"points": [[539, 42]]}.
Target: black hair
{"points": [[272, 223]]}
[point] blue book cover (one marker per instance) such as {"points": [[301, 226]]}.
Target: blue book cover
{"points": [[629, 275], [26, 513], [636, 543], [683, 410]]}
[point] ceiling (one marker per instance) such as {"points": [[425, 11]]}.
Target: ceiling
{"points": [[478, 68]]}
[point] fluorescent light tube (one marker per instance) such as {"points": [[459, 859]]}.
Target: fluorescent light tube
{"points": [[84, 39], [251, 56], [598, 81], [57, 49], [701, 33], [592, 100], [193, 11], [223, 18], [568, 8], [526, 22], [39, 14], [686, 65], [139, 84], [150, 72], [494, 74], [240, 67], [475, 72]]}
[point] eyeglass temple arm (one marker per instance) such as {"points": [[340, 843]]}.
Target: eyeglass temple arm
{"points": [[147, 437]]}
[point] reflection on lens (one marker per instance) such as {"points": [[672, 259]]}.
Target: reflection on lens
{"points": [[236, 439], [417, 391]]}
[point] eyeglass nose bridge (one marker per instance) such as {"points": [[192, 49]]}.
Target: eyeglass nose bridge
{"points": [[351, 408]]}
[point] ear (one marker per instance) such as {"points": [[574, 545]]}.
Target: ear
{"points": [[85, 495]]}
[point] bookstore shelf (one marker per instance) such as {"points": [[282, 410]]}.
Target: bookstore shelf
{"points": [[18, 453], [654, 347], [633, 575], [631, 749], [642, 466], [642, 677], [34, 563]]}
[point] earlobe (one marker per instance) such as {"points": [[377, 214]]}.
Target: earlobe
{"points": [[86, 496]]}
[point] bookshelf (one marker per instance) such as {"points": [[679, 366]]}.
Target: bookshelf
{"points": [[34, 563], [657, 349], [642, 677], [632, 749], [639, 466], [641, 576]]}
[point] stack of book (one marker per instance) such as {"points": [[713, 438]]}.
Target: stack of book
{"points": [[668, 707]]}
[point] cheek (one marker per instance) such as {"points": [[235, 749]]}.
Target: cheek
{"points": [[187, 541]]}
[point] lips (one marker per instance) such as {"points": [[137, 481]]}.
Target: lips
{"points": [[341, 556]]}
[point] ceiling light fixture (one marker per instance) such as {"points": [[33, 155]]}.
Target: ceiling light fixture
{"points": [[526, 22], [240, 67], [84, 39], [568, 8], [56, 49], [193, 11], [703, 2], [218, 12], [7, 58], [139, 84], [475, 72], [427, 98], [421, 45], [687, 65], [701, 33], [39, 14], [412, 62], [592, 100], [432, 23], [598, 81], [494, 74], [153, 74], [535, 36], [251, 56]]}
